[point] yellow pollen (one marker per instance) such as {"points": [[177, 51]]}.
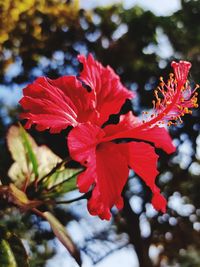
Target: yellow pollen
{"points": [[179, 107]]}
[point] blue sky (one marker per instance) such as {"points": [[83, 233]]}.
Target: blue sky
{"points": [[159, 7]]}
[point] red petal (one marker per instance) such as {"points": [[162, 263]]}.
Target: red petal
{"points": [[158, 136], [159, 202], [106, 87], [87, 178], [84, 146], [110, 180], [82, 141], [129, 127], [81, 98], [143, 160], [55, 104], [127, 122]]}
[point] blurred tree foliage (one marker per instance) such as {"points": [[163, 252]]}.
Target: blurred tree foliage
{"points": [[44, 37], [27, 26]]}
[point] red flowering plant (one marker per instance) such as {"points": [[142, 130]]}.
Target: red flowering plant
{"points": [[107, 151], [104, 151]]}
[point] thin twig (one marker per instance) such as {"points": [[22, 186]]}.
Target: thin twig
{"points": [[26, 182], [3, 189], [53, 202], [38, 212], [72, 200]]}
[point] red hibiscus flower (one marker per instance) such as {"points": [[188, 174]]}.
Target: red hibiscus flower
{"points": [[57, 104], [107, 163], [86, 104]]}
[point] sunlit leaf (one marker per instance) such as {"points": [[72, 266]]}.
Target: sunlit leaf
{"points": [[22, 167], [7, 258], [61, 233], [47, 160], [34, 162], [12, 251], [20, 199], [61, 177], [18, 250], [67, 186], [30, 153], [31, 161]]}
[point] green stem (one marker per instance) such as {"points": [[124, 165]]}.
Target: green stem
{"points": [[85, 196], [53, 202], [38, 212]]}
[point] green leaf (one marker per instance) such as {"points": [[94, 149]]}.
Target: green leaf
{"points": [[7, 258], [60, 189], [19, 198], [29, 150], [18, 250], [61, 182], [22, 168], [61, 233], [34, 162], [31, 160], [68, 185], [12, 251], [61, 176]]}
